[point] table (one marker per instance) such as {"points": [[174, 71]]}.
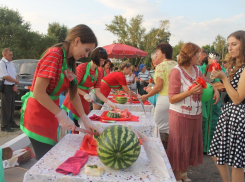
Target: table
{"points": [[145, 125], [141, 170], [130, 107]]}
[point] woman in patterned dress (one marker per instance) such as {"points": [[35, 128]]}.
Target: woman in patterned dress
{"points": [[228, 144]]}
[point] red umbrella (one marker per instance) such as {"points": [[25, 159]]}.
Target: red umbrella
{"points": [[118, 50]]}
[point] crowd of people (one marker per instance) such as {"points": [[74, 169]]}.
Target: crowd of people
{"points": [[189, 125]]}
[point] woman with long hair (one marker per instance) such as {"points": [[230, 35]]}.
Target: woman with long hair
{"points": [[88, 76], [228, 144], [185, 145], [115, 80], [55, 72]]}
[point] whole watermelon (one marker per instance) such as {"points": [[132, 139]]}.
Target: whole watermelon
{"points": [[118, 147]]}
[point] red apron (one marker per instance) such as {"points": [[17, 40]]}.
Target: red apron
{"points": [[37, 122], [87, 82]]}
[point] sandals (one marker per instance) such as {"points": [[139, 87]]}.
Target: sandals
{"points": [[187, 179]]}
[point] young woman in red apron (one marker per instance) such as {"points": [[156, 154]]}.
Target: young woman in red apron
{"points": [[41, 114], [104, 69], [88, 76], [115, 80]]}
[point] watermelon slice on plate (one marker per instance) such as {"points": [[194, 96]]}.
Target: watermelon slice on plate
{"points": [[116, 115]]}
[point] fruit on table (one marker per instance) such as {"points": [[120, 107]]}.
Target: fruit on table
{"points": [[93, 170], [95, 136], [134, 99], [121, 100], [117, 113], [118, 147], [119, 93]]}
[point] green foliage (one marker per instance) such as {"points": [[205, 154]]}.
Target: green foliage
{"points": [[119, 28], [134, 34], [220, 46], [15, 33], [58, 31], [176, 49], [208, 48]]}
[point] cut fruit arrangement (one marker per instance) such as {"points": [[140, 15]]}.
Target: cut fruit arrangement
{"points": [[133, 99], [117, 113], [121, 100], [119, 93]]}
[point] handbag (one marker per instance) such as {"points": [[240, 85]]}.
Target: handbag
{"points": [[2, 81]]}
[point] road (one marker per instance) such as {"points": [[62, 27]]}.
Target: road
{"points": [[207, 172]]}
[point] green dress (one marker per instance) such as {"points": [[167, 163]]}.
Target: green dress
{"points": [[210, 116]]}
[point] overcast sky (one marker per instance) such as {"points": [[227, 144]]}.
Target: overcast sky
{"points": [[190, 20]]}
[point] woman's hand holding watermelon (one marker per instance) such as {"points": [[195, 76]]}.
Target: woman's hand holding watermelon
{"points": [[195, 90], [87, 123]]}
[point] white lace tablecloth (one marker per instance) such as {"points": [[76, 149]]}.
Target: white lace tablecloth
{"points": [[145, 125], [130, 107], [141, 170]]}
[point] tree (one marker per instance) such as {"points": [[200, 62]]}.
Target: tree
{"points": [[134, 34], [58, 31], [208, 48], [15, 33], [119, 27], [136, 31], [154, 37], [176, 49], [220, 46]]}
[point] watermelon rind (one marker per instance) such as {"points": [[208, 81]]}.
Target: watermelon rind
{"points": [[118, 147], [121, 100], [112, 114]]}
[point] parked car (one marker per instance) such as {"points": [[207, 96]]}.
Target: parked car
{"points": [[25, 69]]}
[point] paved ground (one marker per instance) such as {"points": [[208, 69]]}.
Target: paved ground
{"points": [[203, 173], [7, 136]]}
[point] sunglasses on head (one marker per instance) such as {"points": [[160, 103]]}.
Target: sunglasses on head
{"points": [[102, 50], [224, 62]]}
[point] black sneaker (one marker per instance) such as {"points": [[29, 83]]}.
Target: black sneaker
{"points": [[14, 125], [7, 128]]}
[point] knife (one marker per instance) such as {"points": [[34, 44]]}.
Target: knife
{"points": [[142, 105], [129, 93], [153, 153], [85, 131]]}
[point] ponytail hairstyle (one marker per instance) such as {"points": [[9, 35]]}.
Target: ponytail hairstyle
{"points": [[97, 54], [123, 65], [187, 51], [235, 63], [86, 35]]}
